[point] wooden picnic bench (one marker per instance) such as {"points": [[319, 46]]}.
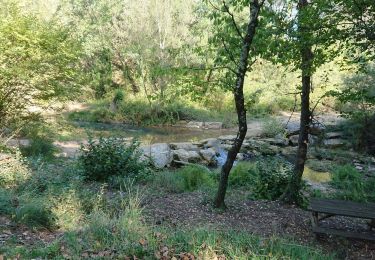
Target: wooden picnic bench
{"points": [[325, 208]]}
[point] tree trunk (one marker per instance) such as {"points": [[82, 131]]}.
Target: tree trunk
{"points": [[292, 194], [239, 101]]}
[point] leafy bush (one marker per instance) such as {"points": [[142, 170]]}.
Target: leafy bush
{"points": [[39, 146], [169, 181], [35, 215], [273, 178], [5, 202], [195, 176], [243, 174], [349, 184], [13, 170], [41, 138], [272, 127], [188, 178], [109, 157]]}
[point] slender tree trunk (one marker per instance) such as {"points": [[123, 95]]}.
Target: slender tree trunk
{"points": [[239, 101], [292, 193]]}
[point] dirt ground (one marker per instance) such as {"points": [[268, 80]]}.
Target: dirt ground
{"points": [[262, 218]]}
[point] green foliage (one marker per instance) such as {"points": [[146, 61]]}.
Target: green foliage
{"points": [[35, 215], [350, 184], [101, 159], [169, 181], [39, 147], [13, 171], [243, 174], [6, 205], [188, 178], [273, 177], [267, 178], [357, 102], [272, 127], [124, 233], [40, 64], [137, 111]]}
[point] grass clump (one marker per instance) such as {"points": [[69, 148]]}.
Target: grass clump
{"points": [[351, 185], [41, 141], [13, 171], [243, 174], [188, 178], [35, 214], [272, 127], [267, 178], [110, 157], [6, 207]]}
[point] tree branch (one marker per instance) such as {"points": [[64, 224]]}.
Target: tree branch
{"points": [[233, 20]]}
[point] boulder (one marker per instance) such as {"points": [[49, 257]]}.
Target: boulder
{"points": [[334, 143], [227, 138], [293, 140], [209, 155], [185, 146], [276, 141], [292, 128], [18, 142], [316, 129], [226, 147], [194, 124], [240, 157], [333, 135], [213, 125], [186, 156], [210, 142], [160, 154]]}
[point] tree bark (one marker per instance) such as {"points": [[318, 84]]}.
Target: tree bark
{"points": [[239, 101], [292, 194]]}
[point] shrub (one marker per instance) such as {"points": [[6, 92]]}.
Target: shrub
{"points": [[273, 178], [35, 214], [40, 146], [188, 178], [6, 207], [272, 127], [41, 141], [169, 181], [195, 176], [243, 174], [13, 171], [110, 157], [349, 183]]}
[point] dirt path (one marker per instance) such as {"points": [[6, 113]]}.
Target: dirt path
{"points": [[262, 218]]}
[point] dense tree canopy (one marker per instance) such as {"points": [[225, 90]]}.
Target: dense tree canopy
{"points": [[40, 63]]}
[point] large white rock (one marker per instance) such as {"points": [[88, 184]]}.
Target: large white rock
{"points": [[334, 143], [210, 142], [185, 146], [333, 135], [213, 125], [194, 124], [159, 154], [227, 137], [186, 156], [209, 155]]}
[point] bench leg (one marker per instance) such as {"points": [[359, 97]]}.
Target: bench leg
{"points": [[371, 224], [315, 222]]}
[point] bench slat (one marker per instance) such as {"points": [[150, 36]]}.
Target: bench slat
{"points": [[343, 208], [365, 236]]}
